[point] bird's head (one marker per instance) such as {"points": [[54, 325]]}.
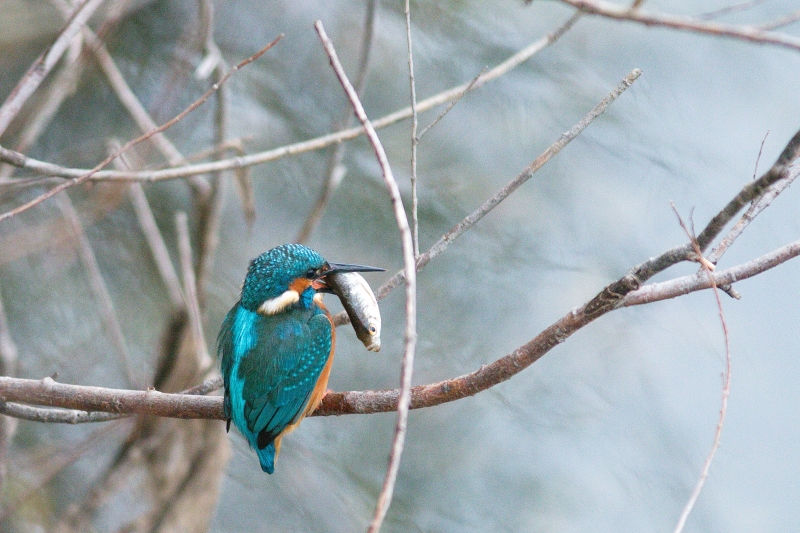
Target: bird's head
{"points": [[288, 274]]}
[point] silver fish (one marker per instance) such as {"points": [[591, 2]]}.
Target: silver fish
{"points": [[361, 306]]}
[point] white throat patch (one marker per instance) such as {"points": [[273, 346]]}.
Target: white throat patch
{"points": [[278, 304]]}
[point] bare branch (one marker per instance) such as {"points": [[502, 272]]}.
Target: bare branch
{"points": [[727, 10], [98, 285], [155, 241], [335, 171], [780, 22], [190, 291], [56, 416], [450, 106], [76, 416], [8, 367], [696, 282], [414, 138], [44, 63], [512, 186], [197, 103], [44, 168], [745, 33], [707, 269], [410, 341], [86, 398], [757, 207]]}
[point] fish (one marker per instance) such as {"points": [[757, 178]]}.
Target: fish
{"points": [[361, 305]]}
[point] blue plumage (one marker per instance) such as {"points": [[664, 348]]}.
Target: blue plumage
{"points": [[276, 345]]}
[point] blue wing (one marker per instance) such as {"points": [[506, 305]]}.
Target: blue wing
{"points": [[270, 365]]}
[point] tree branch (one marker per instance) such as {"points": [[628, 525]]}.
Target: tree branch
{"points": [[84, 177], [506, 191], [745, 33], [127, 402], [409, 270], [49, 169], [44, 63]]}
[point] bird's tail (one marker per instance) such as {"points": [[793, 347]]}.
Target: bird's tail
{"points": [[266, 457]]}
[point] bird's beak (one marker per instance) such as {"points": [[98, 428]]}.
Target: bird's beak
{"points": [[336, 268]]}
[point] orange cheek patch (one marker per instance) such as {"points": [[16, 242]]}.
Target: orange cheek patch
{"points": [[299, 285]]}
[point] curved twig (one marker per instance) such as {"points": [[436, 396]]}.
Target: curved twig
{"points": [[404, 398]]}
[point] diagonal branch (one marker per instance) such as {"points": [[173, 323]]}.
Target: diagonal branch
{"points": [[44, 64], [125, 402], [197, 103], [41, 167], [335, 171], [512, 186], [746, 33], [410, 341]]}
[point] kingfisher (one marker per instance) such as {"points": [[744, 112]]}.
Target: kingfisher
{"points": [[276, 345]]}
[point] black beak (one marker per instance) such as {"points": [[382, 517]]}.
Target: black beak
{"points": [[335, 268]]}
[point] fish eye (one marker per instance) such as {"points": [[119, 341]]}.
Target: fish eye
{"points": [[372, 329], [311, 273]]}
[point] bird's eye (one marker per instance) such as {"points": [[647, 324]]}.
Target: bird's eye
{"points": [[311, 273]]}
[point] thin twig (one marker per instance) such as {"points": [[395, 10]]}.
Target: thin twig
{"points": [[780, 22], [44, 63], [137, 111], [335, 171], [513, 185], [760, 151], [758, 205], [452, 103], [751, 214], [158, 248], [98, 285], [8, 367], [726, 388], [44, 168], [64, 84], [744, 33], [414, 138], [197, 103], [727, 10], [410, 341], [210, 218], [673, 288], [190, 291]]}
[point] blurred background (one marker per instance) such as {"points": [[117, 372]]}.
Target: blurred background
{"points": [[607, 432]]}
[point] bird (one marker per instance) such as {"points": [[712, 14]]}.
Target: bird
{"points": [[276, 346]]}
